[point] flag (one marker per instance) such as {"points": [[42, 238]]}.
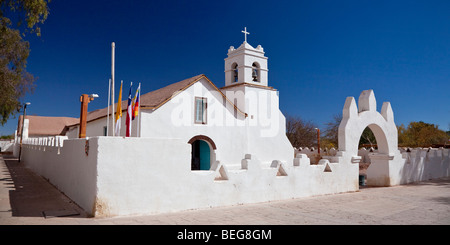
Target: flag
{"points": [[129, 111], [136, 102], [119, 112]]}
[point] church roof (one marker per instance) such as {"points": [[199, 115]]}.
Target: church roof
{"points": [[42, 126], [155, 99]]}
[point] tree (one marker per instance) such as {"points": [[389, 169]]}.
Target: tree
{"points": [[331, 132], [301, 133], [7, 137], [421, 134], [367, 138], [448, 131], [15, 81]]}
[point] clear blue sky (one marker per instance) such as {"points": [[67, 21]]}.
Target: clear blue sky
{"points": [[319, 52]]}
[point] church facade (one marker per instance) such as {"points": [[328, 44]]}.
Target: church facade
{"points": [[221, 124]]}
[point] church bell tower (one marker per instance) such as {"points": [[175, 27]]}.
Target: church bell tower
{"points": [[246, 65]]}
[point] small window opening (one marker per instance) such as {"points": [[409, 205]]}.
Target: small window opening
{"points": [[200, 110], [255, 72], [235, 73]]}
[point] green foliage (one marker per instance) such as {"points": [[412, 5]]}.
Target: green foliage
{"points": [[367, 138], [421, 134], [7, 137], [33, 12], [15, 81]]}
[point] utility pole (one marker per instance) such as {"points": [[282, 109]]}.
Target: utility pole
{"points": [[23, 125], [84, 99], [318, 145]]}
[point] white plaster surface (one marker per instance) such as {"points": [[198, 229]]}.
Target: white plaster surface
{"points": [[388, 166], [124, 176], [127, 176]]}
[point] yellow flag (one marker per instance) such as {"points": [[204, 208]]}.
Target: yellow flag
{"points": [[119, 111]]}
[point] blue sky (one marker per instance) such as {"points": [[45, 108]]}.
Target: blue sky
{"points": [[319, 52]]}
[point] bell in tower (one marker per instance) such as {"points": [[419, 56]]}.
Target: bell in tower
{"points": [[235, 73], [255, 72]]}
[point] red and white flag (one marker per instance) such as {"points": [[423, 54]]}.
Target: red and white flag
{"points": [[129, 112]]}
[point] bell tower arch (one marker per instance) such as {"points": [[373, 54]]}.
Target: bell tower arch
{"points": [[246, 64]]}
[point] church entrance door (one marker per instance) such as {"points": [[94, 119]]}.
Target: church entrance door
{"points": [[203, 152], [201, 155]]}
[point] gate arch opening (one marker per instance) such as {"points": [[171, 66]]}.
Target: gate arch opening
{"points": [[367, 139], [380, 138], [354, 120]]}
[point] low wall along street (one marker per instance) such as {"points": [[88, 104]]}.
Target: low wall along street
{"points": [[123, 176], [113, 176]]}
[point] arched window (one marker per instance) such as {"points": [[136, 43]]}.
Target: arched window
{"points": [[235, 72], [255, 72]]}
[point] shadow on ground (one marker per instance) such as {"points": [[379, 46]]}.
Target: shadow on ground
{"points": [[31, 195]]}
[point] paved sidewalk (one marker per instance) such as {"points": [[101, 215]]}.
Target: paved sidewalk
{"points": [[28, 199]]}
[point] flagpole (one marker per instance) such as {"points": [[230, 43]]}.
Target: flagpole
{"points": [[113, 46], [109, 100], [139, 108]]}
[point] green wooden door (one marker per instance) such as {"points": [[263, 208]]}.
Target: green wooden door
{"points": [[205, 155]]}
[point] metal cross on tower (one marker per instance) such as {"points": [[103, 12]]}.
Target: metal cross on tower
{"points": [[245, 33]]}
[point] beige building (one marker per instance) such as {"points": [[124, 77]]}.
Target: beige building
{"points": [[40, 126]]}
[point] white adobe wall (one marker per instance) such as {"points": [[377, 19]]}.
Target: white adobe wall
{"points": [[72, 133], [233, 136], [421, 165], [132, 176], [267, 126], [6, 145], [175, 120], [68, 167], [127, 176], [159, 179]]}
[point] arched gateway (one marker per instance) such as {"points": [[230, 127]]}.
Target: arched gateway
{"points": [[355, 120]]}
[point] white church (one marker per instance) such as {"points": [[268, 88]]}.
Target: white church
{"points": [[220, 123], [195, 145]]}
